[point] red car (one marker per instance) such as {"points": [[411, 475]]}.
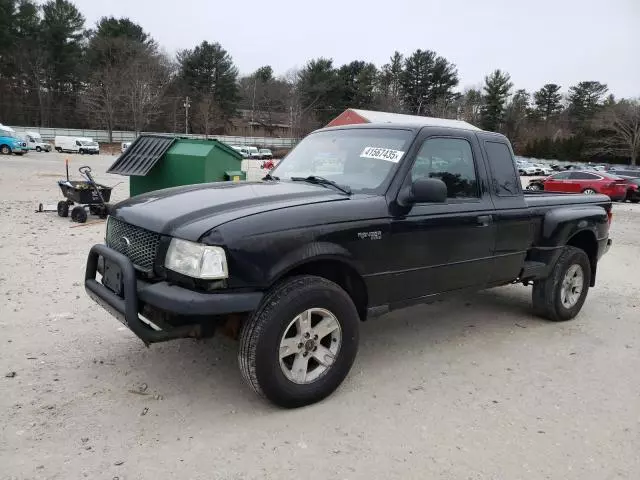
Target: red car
{"points": [[573, 181]]}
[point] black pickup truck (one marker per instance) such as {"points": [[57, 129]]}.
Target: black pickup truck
{"points": [[355, 222]]}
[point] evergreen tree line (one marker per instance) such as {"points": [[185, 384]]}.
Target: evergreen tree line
{"points": [[55, 71]]}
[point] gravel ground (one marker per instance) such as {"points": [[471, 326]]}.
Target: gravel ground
{"points": [[476, 388]]}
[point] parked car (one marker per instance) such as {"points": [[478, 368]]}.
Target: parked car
{"points": [[10, 142], [254, 153], [266, 154], [294, 262], [525, 168], [244, 151], [626, 172], [542, 169], [633, 188], [579, 181], [35, 142], [80, 145]]}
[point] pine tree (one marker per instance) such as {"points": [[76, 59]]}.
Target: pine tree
{"points": [[208, 69], [548, 101], [496, 91], [427, 80], [585, 100], [390, 84]]}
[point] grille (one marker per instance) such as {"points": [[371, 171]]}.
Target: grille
{"points": [[142, 245]]}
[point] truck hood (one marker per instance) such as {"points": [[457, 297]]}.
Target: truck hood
{"points": [[191, 211]]}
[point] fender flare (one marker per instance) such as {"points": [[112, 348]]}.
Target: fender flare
{"points": [[311, 252]]}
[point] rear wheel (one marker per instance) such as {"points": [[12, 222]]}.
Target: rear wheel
{"points": [[561, 295], [58, 149], [63, 208], [300, 344], [589, 191], [78, 214]]}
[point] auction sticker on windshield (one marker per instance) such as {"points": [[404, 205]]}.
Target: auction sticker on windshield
{"points": [[382, 154]]}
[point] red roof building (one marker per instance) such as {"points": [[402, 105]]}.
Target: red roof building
{"points": [[353, 116]]}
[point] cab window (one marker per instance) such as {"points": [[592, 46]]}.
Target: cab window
{"points": [[451, 160]]}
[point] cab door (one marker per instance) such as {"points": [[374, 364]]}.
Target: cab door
{"points": [[446, 246]]}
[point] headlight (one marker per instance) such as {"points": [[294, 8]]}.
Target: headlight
{"points": [[196, 260]]}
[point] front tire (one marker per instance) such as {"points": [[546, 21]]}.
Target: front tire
{"points": [[38, 149], [5, 150], [300, 344], [561, 295], [589, 191]]}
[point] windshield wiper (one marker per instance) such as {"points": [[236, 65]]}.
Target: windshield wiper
{"points": [[268, 176], [322, 181]]}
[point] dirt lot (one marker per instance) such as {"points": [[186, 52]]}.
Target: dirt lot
{"points": [[476, 388]]}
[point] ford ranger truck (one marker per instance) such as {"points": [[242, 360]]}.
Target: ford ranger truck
{"points": [[355, 222]]}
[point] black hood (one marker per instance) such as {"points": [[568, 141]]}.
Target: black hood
{"points": [[189, 212]]}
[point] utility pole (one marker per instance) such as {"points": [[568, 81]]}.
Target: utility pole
{"points": [[253, 103], [187, 104]]}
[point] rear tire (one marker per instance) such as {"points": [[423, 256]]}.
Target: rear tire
{"points": [[284, 323], [561, 295], [63, 209], [58, 149], [589, 191], [78, 214]]}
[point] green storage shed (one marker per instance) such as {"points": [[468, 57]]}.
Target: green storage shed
{"points": [[154, 162]]}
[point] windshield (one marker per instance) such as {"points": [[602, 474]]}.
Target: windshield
{"points": [[359, 158]]}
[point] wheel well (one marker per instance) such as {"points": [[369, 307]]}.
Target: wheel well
{"points": [[586, 240], [342, 274]]}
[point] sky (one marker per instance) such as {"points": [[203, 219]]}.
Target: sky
{"points": [[536, 42]]}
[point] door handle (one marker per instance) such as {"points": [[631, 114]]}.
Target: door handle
{"points": [[484, 220]]}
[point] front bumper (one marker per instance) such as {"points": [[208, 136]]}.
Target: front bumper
{"points": [[162, 296]]}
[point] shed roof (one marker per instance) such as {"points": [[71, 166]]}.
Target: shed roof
{"points": [[372, 116]]}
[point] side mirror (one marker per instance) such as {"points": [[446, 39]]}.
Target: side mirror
{"points": [[424, 190]]}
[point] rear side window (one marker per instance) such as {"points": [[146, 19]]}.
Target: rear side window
{"points": [[505, 183], [561, 176], [583, 176]]}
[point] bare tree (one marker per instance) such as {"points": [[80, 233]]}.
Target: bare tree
{"points": [[208, 114], [470, 106], [294, 103], [145, 82], [102, 99], [623, 121]]}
